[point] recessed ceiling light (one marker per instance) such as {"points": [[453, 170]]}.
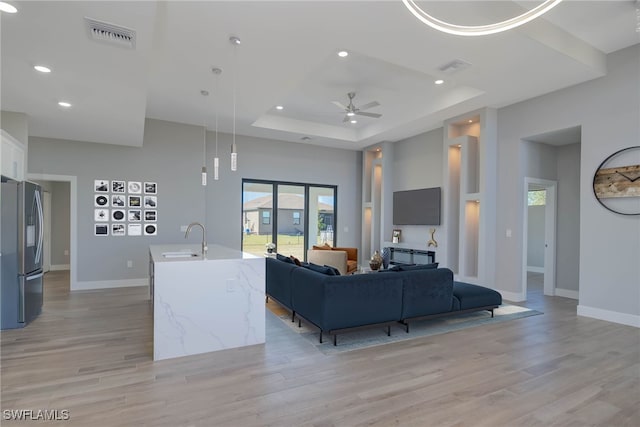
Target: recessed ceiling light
{"points": [[354, 121], [64, 104], [279, 107], [343, 54], [42, 68], [439, 81], [351, 114], [6, 7]]}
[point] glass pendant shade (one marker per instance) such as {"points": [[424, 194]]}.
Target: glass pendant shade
{"points": [[204, 175], [234, 157], [216, 167]]}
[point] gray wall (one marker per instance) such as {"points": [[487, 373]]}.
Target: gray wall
{"points": [[568, 225], [535, 237], [417, 163], [171, 155], [607, 109]]}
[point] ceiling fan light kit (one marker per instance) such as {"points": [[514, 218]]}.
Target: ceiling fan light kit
{"points": [[351, 110], [479, 30]]}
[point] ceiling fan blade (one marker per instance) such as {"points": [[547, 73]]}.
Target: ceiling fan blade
{"points": [[374, 115], [339, 104], [346, 119], [369, 105]]}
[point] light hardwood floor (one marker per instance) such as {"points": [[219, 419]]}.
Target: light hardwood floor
{"points": [[90, 353]]}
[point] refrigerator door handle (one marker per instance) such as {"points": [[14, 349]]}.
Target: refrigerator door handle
{"points": [[34, 277], [40, 224]]}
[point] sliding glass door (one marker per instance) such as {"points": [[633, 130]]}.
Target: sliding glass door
{"points": [[293, 216]]}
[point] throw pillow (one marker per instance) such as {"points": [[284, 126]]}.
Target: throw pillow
{"points": [[320, 269], [284, 258], [295, 260], [336, 272], [419, 267], [320, 248]]}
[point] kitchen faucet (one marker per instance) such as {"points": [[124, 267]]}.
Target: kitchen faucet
{"points": [[204, 233]]}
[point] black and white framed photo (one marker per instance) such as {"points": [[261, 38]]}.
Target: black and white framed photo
{"points": [[118, 187], [150, 188], [150, 202], [101, 215], [135, 215], [150, 229], [134, 229], [101, 201], [118, 215], [101, 229], [101, 186], [118, 230], [151, 216], [118, 200], [134, 187], [134, 201]]}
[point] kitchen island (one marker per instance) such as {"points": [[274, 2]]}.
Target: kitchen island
{"points": [[203, 304]]}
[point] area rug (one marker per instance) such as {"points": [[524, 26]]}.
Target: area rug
{"points": [[370, 337]]}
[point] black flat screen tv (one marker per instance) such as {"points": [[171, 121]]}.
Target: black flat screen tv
{"points": [[417, 207]]}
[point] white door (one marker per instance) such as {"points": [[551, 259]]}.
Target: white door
{"points": [[46, 261]]}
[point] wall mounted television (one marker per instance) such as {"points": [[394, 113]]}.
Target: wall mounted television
{"points": [[417, 207]]}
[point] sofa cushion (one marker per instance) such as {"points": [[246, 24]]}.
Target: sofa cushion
{"points": [[474, 296], [284, 258], [324, 247], [352, 253]]}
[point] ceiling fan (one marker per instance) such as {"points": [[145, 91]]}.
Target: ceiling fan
{"points": [[352, 110]]}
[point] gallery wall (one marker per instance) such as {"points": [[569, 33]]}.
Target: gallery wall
{"points": [[172, 156], [608, 110]]}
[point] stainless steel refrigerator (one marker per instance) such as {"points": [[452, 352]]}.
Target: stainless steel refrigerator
{"points": [[21, 236]]}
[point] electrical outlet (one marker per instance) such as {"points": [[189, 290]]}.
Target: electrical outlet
{"points": [[508, 233], [183, 228], [129, 263]]}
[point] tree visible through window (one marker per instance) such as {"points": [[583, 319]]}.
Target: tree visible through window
{"points": [[537, 198]]}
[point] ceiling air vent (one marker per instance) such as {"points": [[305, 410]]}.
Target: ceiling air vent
{"points": [[111, 33], [454, 66]]}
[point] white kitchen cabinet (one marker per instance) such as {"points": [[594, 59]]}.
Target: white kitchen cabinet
{"points": [[12, 157]]}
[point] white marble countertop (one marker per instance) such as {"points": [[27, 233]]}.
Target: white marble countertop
{"points": [[215, 252]]}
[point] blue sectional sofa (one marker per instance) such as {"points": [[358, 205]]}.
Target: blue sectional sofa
{"points": [[335, 303]]}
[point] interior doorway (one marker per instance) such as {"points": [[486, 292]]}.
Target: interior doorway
{"points": [[539, 236]]}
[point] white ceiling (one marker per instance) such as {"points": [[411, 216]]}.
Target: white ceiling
{"points": [[288, 56]]}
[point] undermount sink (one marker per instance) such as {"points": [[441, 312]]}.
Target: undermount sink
{"points": [[183, 254]]}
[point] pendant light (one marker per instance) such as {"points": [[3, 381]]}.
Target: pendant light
{"points": [[204, 143], [235, 42], [216, 161]]}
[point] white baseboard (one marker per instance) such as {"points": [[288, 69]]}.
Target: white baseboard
{"points": [[609, 316], [567, 293], [512, 296], [535, 269], [106, 284], [59, 267]]}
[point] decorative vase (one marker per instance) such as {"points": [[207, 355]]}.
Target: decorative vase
{"points": [[376, 261], [386, 257]]}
